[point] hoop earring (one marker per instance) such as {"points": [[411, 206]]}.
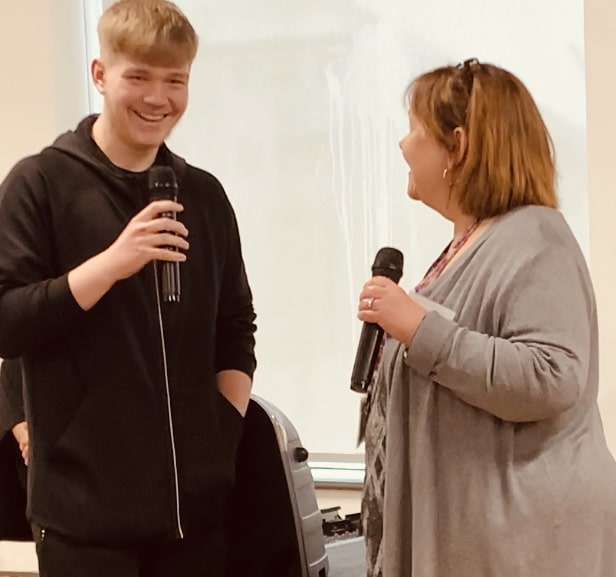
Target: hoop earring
{"points": [[450, 183]]}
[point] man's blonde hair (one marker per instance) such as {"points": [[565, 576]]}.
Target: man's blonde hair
{"points": [[509, 159], [153, 31]]}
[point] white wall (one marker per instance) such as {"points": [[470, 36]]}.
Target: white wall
{"points": [[310, 158], [298, 108], [283, 177]]}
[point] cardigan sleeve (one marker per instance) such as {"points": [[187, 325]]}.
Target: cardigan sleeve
{"points": [[536, 364]]}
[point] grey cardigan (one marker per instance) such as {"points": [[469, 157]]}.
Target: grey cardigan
{"points": [[496, 462]]}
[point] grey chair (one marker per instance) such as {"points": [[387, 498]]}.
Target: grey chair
{"points": [[275, 526]]}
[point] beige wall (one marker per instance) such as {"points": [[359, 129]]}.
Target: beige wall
{"points": [[601, 138], [44, 74]]}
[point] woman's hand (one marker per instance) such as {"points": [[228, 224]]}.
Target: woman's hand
{"points": [[383, 302]]}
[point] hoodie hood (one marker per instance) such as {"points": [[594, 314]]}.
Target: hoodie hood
{"points": [[80, 145]]}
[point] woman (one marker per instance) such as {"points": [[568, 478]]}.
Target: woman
{"points": [[496, 462]]}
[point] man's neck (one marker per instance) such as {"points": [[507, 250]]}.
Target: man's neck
{"points": [[117, 151]]}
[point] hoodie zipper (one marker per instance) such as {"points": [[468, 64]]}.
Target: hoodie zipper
{"points": [[168, 398]]}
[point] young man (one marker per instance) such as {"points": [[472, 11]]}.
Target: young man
{"points": [[134, 404]]}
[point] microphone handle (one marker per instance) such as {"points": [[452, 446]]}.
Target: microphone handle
{"points": [[170, 273], [170, 282], [367, 355]]}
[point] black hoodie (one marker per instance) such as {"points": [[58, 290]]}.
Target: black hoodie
{"points": [[130, 437]]}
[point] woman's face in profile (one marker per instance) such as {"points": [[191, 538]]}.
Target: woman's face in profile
{"points": [[427, 160]]}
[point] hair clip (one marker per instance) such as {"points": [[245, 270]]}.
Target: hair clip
{"points": [[467, 69], [468, 64]]}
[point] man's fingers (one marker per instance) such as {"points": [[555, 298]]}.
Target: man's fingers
{"points": [[168, 255], [157, 207], [164, 224], [165, 239]]}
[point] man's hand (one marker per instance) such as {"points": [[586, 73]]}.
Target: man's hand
{"points": [[235, 386], [147, 237], [20, 432]]}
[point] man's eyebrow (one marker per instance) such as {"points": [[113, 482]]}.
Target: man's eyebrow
{"points": [[137, 70]]}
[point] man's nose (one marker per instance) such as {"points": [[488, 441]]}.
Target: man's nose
{"points": [[156, 94]]}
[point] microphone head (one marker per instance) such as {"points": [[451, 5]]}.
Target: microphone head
{"points": [[388, 262], [162, 183]]}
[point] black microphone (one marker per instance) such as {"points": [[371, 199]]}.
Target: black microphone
{"points": [[163, 185], [388, 262]]}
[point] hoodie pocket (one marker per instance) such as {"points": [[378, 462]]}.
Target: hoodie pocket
{"points": [[113, 461], [231, 423]]}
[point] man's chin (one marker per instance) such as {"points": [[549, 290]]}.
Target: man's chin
{"points": [[148, 141]]}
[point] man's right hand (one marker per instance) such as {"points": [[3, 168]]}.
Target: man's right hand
{"points": [[20, 432], [147, 237]]}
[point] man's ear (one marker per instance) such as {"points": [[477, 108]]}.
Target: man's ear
{"points": [[98, 75], [459, 150]]}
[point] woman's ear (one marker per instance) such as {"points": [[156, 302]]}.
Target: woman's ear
{"points": [[459, 150]]}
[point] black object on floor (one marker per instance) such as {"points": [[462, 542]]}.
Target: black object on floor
{"points": [[275, 522]]}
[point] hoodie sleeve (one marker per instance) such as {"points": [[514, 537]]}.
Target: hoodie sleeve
{"points": [[36, 304], [235, 325]]}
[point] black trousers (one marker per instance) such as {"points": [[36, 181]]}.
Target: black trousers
{"points": [[201, 555]]}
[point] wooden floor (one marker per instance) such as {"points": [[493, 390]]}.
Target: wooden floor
{"points": [[346, 559]]}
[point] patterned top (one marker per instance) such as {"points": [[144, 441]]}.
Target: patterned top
{"points": [[374, 411]]}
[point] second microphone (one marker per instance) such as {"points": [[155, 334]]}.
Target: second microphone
{"points": [[388, 262]]}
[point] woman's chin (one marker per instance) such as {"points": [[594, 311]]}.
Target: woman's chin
{"points": [[412, 193]]}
